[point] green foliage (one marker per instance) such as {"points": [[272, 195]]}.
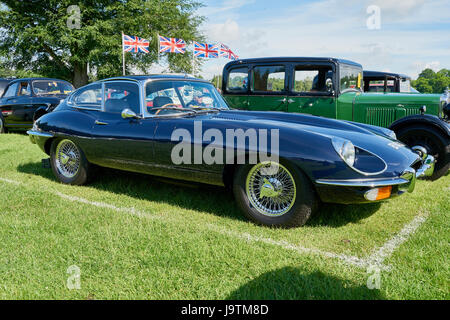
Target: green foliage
{"points": [[35, 35], [432, 82]]}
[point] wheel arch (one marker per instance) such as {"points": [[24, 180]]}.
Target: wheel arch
{"points": [[424, 120]]}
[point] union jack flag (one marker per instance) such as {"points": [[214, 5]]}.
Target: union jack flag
{"points": [[205, 50], [226, 52], [172, 45], [135, 44]]}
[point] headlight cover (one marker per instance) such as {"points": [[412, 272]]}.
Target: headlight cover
{"points": [[345, 149]]}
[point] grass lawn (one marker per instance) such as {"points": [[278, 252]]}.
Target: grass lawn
{"points": [[137, 237]]}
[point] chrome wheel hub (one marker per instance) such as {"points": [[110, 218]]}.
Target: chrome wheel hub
{"points": [[270, 188], [67, 158]]}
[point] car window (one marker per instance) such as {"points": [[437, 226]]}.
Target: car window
{"points": [[171, 97], [405, 85], [268, 78], [51, 87], [11, 91], [312, 79], [121, 95], [375, 86], [90, 96], [350, 77], [24, 89], [238, 80]]}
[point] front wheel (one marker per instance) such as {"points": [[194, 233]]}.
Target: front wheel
{"points": [[274, 194], [433, 141], [68, 162]]}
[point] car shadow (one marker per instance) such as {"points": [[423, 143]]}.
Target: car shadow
{"points": [[200, 197], [291, 283]]}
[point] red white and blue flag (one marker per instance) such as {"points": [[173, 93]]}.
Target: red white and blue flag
{"points": [[205, 50], [172, 45], [135, 44], [226, 52]]}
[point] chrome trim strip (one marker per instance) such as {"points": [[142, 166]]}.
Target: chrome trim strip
{"points": [[39, 134], [363, 182]]}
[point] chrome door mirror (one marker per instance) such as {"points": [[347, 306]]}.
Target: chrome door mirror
{"points": [[128, 114], [329, 86]]}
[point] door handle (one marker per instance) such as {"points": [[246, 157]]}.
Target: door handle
{"points": [[100, 123], [282, 100], [291, 101]]}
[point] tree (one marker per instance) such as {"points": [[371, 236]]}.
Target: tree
{"points": [[36, 36], [432, 82]]}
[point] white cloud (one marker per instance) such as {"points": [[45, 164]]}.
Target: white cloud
{"points": [[410, 31]]}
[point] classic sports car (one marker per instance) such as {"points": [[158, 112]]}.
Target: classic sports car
{"points": [[25, 100], [109, 123]]}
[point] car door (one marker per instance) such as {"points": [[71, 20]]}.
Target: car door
{"points": [[236, 87], [309, 92], [8, 102], [268, 88], [123, 142], [23, 109]]}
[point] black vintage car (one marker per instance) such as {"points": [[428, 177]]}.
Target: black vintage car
{"points": [[25, 100], [180, 127], [379, 81]]}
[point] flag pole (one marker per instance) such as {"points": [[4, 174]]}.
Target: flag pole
{"points": [[193, 58], [159, 47], [123, 56]]}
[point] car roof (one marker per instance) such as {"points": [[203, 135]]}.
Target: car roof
{"points": [[293, 59], [37, 78], [381, 74], [162, 76]]}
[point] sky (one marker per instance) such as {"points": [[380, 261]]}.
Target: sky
{"points": [[409, 36]]}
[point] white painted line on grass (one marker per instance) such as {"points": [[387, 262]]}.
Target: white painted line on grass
{"points": [[384, 252], [377, 258]]}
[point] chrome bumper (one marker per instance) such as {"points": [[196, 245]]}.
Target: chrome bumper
{"points": [[405, 182], [34, 134]]}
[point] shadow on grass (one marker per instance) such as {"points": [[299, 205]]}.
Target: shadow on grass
{"points": [[199, 197], [294, 284]]}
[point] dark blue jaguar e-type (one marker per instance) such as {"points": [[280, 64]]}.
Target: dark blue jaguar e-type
{"points": [[279, 165]]}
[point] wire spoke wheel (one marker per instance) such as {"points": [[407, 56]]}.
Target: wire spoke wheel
{"points": [[68, 158], [271, 188]]}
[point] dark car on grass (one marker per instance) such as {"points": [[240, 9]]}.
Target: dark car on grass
{"points": [[333, 88], [174, 126], [25, 100]]}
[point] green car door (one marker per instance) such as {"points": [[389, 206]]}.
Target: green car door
{"points": [[311, 90], [236, 88], [268, 88]]}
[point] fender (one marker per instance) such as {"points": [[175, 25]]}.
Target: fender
{"points": [[426, 119], [41, 110]]}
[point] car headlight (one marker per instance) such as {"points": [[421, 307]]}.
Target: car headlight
{"points": [[345, 149]]}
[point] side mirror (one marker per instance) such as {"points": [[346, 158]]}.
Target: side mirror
{"points": [[329, 86], [128, 114]]}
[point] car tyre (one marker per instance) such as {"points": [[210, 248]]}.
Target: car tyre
{"points": [[68, 162], [2, 124], [297, 199], [433, 141]]}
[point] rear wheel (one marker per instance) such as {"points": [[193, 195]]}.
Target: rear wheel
{"points": [[2, 124], [274, 194], [433, 141], [68, 162]]}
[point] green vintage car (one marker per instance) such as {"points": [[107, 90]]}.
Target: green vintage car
{"points": [[333, 88]]}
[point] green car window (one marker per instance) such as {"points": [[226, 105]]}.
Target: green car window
{"points": [[269, 78]]}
